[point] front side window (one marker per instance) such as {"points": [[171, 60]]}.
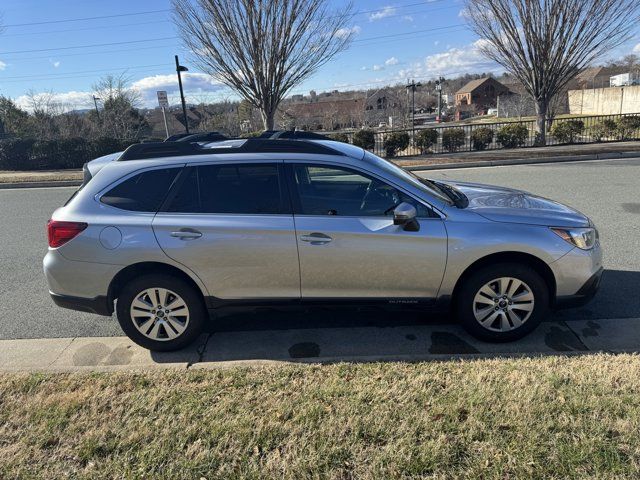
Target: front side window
{"points": [[233, 189], [143, 192], [344, 192]]}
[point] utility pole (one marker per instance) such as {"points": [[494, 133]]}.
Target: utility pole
{"points": [[95, 102], [439, 90], [181, 68], [412, 87]]}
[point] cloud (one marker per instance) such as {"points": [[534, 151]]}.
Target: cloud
{"points": [[380, 14], [345, 32], [193, 83], [636, 49], [436, 43], [377, 68], [2, 65], [55, 63], [391, 61], [364, 68], [195, 86], [73, 100], [407, 18], [459, 60]]}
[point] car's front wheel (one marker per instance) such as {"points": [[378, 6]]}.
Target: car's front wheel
{"points": [[503, 302], [160, 312]]}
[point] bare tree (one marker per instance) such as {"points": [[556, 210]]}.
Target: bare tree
{"points": [[545, 43], [119, 117], [262, 48]]}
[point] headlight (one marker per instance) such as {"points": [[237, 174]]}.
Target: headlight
{"points": [[584, 238]]}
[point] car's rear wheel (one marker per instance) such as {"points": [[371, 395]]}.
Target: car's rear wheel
{"points": [[160, 312], [502, 303]]}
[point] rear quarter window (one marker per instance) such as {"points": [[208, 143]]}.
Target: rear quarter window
{"points": [[143, 192]]}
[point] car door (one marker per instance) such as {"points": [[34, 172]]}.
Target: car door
{"points": [[348, 244], [232, 225]]}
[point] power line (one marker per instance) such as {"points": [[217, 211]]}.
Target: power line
{"points": [[83, 71], [90, 46], [83, 29], [88, 18], [93, 53]]}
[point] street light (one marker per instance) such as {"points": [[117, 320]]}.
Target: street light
{"points": [[182, 68]]}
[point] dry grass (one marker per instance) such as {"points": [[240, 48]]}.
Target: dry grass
{"points": [[521, 418], [39, 176]]}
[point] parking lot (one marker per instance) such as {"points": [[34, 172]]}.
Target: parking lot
{"points": [[607, 191]]}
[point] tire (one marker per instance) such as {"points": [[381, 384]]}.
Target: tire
{"points": [[170, 328], [522, 315]]}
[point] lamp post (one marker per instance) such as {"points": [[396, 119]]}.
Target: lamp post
{"points": [[179, 69], [439, 90]]}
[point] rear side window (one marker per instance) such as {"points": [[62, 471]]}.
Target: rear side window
{"points": [[143, 192], [240, 189]]}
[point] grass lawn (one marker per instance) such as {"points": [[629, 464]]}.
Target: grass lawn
{"points": [[553, 417]]}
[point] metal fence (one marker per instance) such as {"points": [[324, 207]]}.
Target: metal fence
{"points": [[595, 130]]}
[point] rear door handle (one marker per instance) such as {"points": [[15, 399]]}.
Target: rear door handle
{"points": [[186, 234], [316, 238]]}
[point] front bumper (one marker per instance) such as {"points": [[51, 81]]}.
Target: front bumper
{"points": [[582, 296]]}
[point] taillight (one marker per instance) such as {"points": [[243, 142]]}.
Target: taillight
{"points": [[61, 232]]}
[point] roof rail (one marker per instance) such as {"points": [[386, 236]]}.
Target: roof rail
{"points": [[203, 137], [140, 151], [292, 134]]}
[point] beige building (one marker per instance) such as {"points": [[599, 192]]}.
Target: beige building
{"points": [[605, 101]]}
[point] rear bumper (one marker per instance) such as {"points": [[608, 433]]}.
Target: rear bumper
{"points": [[99, 305], [582, 296]]}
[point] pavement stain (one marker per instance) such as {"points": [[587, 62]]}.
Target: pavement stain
{"points": [[304, 350], [449, 343], [631, 207], [411, 337], [99, 354], [562, 340], [591, 330]]}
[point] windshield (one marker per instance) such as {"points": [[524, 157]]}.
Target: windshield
{"points": [[423, 184]]}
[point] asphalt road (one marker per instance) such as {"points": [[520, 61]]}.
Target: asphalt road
{"points": [[608, 191]]}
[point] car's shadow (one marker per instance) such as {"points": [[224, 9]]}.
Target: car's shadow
{"points": [[365, 334]]}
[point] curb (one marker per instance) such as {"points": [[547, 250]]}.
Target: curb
{"points": [[525, 161], [52, 183], [268, 347]]}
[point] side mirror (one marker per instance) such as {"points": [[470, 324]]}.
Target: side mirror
{"points": [[405, 215]]}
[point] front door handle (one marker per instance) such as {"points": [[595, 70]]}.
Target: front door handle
{"points": [[186, 234], [316, 238]]}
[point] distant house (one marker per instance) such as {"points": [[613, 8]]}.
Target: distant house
{"points": [[594, 77], [382, 104], [480, 94], [325, 115]]}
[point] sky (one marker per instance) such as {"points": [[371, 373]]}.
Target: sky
{"points": [[65, 46]]}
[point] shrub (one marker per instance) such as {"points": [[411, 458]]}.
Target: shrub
{"points": [[628, 127], [512, 135], [453, 139], [364, 138], [253, 134], [15, 153], [481, 138], [396, 142], [340, 137], [604, 129], [567, 131], [425, 139]]}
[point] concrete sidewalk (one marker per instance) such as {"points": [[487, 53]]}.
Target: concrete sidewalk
{"points": [[317, 345]]}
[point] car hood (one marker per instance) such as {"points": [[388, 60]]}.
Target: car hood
{"points": [[501, 204]]}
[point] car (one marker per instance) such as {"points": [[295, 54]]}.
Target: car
{"points": [[167, 234]]}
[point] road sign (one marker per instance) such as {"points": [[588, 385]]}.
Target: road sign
{"points": [[163, 101]]}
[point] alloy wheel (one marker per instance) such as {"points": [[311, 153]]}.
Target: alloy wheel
{"points": [[503, 304], [159, 314]]}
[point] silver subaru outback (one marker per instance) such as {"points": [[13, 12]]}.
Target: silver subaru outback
{"points": [[167, 233]]}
